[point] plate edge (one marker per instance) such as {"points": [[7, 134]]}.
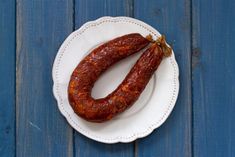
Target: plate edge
{"points": [[117, 139]]}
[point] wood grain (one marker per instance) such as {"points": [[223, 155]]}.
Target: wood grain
{"points": [[86, 10], [213, 82], [171, 18], [41, 131], [30, 38], [7, 78]]}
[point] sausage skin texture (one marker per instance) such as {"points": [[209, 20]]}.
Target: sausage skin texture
{"points": [[94, 64]]}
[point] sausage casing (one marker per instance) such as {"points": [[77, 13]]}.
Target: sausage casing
{"points": [[94, 64]]}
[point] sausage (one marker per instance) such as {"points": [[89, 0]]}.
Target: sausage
{"points": [[93, 65]]}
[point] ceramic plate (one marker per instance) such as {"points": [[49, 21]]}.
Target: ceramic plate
{"points": [[155, 103]]}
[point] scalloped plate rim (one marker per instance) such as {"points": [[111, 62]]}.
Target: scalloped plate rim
{"points": [[122, 139]]}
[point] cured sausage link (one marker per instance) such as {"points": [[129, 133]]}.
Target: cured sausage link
{"points": [[93, 65]]}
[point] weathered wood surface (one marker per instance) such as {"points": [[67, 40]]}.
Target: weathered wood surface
{"points": [[201, 33], [7, 78], [213, 71], [41, 131]]}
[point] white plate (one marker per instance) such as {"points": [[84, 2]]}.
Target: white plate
{"points": [[155, 103]]}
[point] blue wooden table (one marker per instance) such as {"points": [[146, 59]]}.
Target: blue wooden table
{"points": [[202, 34]]}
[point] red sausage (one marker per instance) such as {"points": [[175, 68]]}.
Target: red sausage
{"points": [[92, 66]]}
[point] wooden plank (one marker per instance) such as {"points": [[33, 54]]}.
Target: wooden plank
{"points": [[171, 18], [213, 72], [7, 78], [40, 128], [86, 10]]}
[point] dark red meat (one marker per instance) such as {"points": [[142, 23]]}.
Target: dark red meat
{"points": [[100, 59]]}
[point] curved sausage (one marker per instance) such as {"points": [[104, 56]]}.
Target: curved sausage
{"points": [[101, 58]]}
